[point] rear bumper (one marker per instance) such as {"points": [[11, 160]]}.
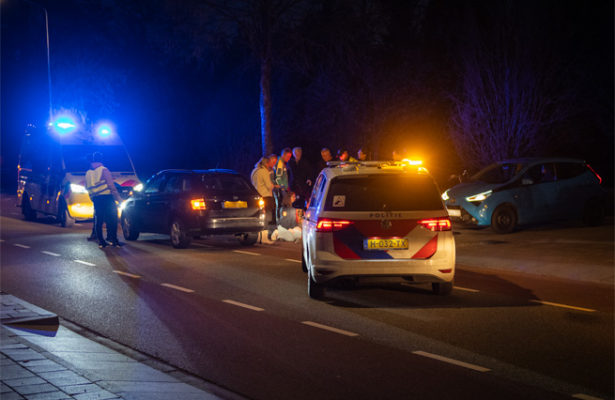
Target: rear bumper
{"points": [[440, 269], [231, 225]]}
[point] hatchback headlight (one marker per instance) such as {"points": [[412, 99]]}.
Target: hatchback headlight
{"points": [[77, 188], [480, 196]]}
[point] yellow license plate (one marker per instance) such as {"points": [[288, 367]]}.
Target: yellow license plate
{"points": [[235, 204], [385, 244]]}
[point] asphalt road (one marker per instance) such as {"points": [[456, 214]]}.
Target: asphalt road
{"points": [[241, 318]]}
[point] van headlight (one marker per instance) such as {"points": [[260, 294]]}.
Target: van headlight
{"points": [[77, 188], [480, 196], [138, 187]]}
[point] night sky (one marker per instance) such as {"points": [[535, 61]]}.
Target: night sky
{"points": [[180, 79]]}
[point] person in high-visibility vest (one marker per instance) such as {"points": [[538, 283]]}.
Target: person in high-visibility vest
{"points": [[103, 193]]}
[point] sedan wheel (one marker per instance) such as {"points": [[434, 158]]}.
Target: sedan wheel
{"points": [[179, 237]]}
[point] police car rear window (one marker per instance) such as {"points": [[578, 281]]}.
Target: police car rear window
{"points": [[383, 192]]}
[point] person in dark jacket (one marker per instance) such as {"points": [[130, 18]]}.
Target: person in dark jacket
{"points": [[300, 175]]}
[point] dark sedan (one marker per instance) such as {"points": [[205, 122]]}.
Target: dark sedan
{"points": [[189, 203]]}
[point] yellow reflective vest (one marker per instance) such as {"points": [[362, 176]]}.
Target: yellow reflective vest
{"points": [[95, 185]]}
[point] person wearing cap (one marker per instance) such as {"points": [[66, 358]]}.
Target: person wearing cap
{"points": [[103, 193]]}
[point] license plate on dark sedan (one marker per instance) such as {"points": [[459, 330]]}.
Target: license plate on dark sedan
{"points": [[385, 244], [235, 204]]}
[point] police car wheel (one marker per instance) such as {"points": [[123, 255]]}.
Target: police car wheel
{"points": [[315, 290], [303, 263], [442, 288], [179, 236]]}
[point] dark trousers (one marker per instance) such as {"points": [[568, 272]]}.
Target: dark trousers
{"points": [[282, 199], [105, 212], [270, 219]]}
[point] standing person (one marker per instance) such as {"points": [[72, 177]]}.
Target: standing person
{"points": [[363, 154], [282, 196], [343, 155], [261, 179], [325, 157], [301, 175], [103, 193]]}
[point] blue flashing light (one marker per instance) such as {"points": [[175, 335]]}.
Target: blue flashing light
{"points": [[104, 130], [64, 125]]}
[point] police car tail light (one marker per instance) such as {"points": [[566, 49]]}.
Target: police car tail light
{"points": [[330, 225], [261, 203], [198, 204], [436, 224]]}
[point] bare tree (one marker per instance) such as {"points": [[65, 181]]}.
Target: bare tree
{"points": [[513, 91]]}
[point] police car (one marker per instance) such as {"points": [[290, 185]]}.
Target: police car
{"points": [[375, 219]]}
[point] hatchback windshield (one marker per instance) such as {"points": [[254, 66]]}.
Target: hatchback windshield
{"points": [[383, 192], [497, 173], [114, 157]]}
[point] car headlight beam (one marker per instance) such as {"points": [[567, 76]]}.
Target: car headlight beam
{"points": [[479, 196], [77, 188]]}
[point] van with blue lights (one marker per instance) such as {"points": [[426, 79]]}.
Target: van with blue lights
{"points": [[524, 191], [53, 163]]}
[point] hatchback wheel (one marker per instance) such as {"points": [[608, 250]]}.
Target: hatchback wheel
{"points": [[129, 229], [179, 236], [504, 219], [442, 288]]}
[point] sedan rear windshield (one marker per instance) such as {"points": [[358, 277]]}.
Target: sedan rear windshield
{"points": [[223, 183], [383, 192]]}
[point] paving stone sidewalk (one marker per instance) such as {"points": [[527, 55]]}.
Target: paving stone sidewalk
{"points": [[68, 365]]}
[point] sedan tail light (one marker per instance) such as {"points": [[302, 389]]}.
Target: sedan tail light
{"points": [[330, 225], [436, 224], [198, 204]]}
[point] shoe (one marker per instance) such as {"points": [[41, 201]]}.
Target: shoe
{"points": [[117, 243], [103, 244], [92, 238]]}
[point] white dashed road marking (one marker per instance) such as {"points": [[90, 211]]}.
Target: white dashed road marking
{"points": [[181, 289], [583, 396], [85, 263], [451, 361], [128, 274], [49, 253], [236, 303], [293, 260], [548, 303], [466, 289], [250, 253], [23, 246], [329, 328]]}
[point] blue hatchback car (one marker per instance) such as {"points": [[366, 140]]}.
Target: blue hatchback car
{"points": [[528, 190]]}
